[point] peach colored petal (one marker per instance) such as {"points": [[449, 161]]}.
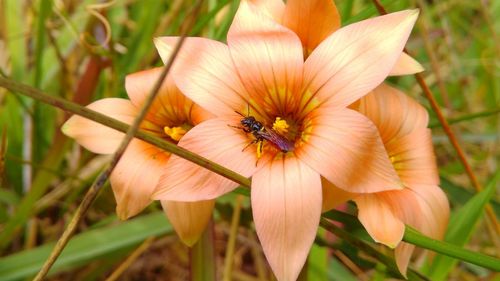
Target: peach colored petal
{"points": [[334, 196], [413, 158], [189, 218], [406, 65], [286, 206], [205, 73], [379, 220], [435, 209], [394, 113], [431, 218], [345, 148], [94, 136], [312, 20], [423, 207], [170, 107], [135, 177], [402, 253], [268, 58], [273, 8], [213, 139], [357, 58]]}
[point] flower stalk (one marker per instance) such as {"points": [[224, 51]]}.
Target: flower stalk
{"points": [[103, 177]]}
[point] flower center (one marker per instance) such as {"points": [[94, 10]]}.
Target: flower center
{"points": [[280, 126], [175, 133]]}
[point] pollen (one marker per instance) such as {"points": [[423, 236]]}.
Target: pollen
{"points": [[259, 150], [175, 133], [280, 126]]}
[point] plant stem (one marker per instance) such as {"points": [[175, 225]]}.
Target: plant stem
{"points": [[103, 177], [203, 256], [414, 237], [122, 127], [367, 248], [467, 117], [235, 222]]}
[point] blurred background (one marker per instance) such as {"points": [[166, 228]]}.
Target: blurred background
{"points": [[82, 51]]}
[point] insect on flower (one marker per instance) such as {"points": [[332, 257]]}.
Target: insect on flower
{"points": [[261, 133]]}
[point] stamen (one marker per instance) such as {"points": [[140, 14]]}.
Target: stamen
{"points": [[175, 133], [280, 126]]}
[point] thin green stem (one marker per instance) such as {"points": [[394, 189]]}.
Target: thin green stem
{"points": [[74, 108], [467, 117], [235, 222], [103, 177], [203, 256], [367, 248], [416, 238]]}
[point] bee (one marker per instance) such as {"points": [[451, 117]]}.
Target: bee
{"points": [[261, 133]]}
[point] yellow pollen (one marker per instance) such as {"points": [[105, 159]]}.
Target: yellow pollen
{"points": [[393, 159], [175, 133], [280, 126], [259, 149]]}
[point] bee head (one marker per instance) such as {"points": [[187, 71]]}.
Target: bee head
{"points": [[248, 121]]}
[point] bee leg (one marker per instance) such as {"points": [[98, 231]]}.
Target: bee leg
{"points": [[249, 144], [260, 150], [237, 127]]}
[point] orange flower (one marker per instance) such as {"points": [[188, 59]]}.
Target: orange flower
{"points": [[421, 204], [402, 124], [314, 20], [140, 167], [262, 73]]}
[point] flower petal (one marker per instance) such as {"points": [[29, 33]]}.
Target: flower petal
{"points": [[394, 113], [357, 58], [413, 158], [273, 8], [311, 20], [406, 65], [345, 148], [189, 218], [379, 220], [435, 209], [268, 58], [94, 136], [402, 253], [215, 140], [135, 177], [286, 206], [170, 107], [334, 196], [205, 73]]}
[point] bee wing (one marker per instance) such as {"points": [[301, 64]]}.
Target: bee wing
{"points": [[278, 140]]}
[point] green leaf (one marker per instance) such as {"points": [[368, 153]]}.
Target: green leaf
{"points": [[318, 261], [461, 227], [85, 247]]}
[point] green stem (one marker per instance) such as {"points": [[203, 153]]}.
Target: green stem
{"points": [[74, 108], [99, 182], [233, 232], [467, 117], [203, 256], [414, 237], [367, 248]]}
